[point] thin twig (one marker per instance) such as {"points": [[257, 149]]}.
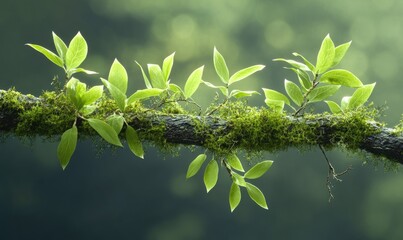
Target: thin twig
{"points": [[332, 174]]}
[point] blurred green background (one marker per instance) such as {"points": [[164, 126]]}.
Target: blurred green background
{"points": [[112, 195]]}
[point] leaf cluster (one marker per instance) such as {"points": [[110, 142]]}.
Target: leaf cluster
{"points": [[315, 83]]}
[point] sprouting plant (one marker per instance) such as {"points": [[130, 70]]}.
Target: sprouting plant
{"points": [[68, 57], [223, 73], [316, 83]]}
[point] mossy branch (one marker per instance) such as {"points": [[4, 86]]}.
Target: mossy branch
{"points": [[234, 126]]}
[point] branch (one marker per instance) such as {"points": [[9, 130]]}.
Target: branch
{"points": [[244, 127]]}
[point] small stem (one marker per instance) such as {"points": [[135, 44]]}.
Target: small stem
{"points": [[306, 100]]}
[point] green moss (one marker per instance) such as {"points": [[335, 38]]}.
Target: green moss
{"points": [[52, 117], [260, 129]]}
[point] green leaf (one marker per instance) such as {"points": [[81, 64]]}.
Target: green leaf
{"points": [[321, 93], [360, 96], [258, 170], [70, 72], [223, 89], [143, 94], [234, 196], [76, 52], [238, 179], [296, 64], [195, 165], [344, 102], [156, 76], [341, 77], [211, 175], [303, 78], [325, 55], [134, 142], [256, 195], [67, 145], [193, 82], [274, 95], [105, 131], [334, 107], [307, 63], [48, 54], [74, 91], [176, 89], [118, 76], [220, 66], [240, 94], [276, 105], [146, 81], [244, 73], [294, 92], [234, 162], [87, 110], [116, 122], [118, 96], [60, 46], [92, 95], [167, 66], [340, 51]]}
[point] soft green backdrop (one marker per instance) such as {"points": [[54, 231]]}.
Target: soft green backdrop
{"points": [[111, 195]]}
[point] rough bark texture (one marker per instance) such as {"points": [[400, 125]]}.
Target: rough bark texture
{"points": [[184, 129]]}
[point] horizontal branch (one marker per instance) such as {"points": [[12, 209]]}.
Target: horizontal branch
{"points": [[245, 128]]}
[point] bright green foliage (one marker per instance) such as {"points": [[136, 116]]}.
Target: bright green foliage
{"points": [[306, 62], [69, 58], [325, 55], [134, 142], [360, 96], [244, 73], [294, 92], [334, 107], [241, 94], [67, 146], [118, 96], [238, 179], [223, 89], [340, 51], [321, 93], [60, 46], [156, 76], [143, 94], [220, 66], [274, 95], [77, 93], [234, 162], [118, 76], [234, 196], [76, 52], [193, 82], [341, 77], [211, 175], [195, 165], [116, 122], [315, 84], [222, 71], [167, 66], [258, 170], [256, 195], [293, 63], [48, 54], [105, 131]]}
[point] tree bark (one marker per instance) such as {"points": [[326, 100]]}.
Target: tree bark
{"points": [[328, 131]]}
